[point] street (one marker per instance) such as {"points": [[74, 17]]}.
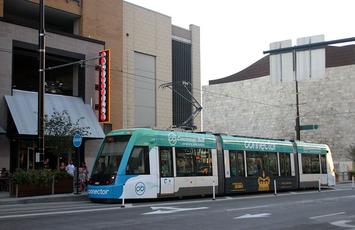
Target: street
{"points": [[329, 209]]}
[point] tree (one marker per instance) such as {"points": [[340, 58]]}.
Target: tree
{"points": [[60, 129], [352, 152]]}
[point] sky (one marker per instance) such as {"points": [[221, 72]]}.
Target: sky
{"points": [[234, 34]]}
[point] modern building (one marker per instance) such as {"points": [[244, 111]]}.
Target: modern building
{"points": [[157, 52], [249, 103], [141, 47]]}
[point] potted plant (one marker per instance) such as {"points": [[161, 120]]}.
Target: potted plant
{"points": [[31, 183], [63, 182]]}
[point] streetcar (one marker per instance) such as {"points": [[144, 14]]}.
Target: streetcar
{"points": [[149, 163]]}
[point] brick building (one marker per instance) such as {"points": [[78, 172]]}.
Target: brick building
{"points": [[77, 30]]}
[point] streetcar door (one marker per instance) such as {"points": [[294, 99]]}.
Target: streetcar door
{"points": [[166, 170]]}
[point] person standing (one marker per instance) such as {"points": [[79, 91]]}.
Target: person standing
{"points": [[70, 168], [46, 163], [62, 167], [83, 177]]}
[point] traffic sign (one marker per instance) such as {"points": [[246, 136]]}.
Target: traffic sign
{"points": [[309, 127], [77, 140]]}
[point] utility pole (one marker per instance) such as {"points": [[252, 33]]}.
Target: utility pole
{"points": [[298, 123], [41, 85], [294, 49]]}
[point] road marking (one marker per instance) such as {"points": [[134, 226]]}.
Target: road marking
{"points": [[59, 212], [331, 214], [169, 210], [246, 208], [248, 216], [343, 223]]}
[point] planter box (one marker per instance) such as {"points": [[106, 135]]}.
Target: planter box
{"points": [[63, 185], [30, 190]]}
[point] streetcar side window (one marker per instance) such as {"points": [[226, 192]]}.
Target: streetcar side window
{"points": [[285, 164], [193, 162], [138, 162], [323, 161], [166, 162], [271, 164], [254, 163], [236, 163], [259, 163], [310, 163]]}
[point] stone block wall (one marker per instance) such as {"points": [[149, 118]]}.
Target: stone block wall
{"points": [[256, 107]]}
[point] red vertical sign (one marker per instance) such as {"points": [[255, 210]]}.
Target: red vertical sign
{"points": [[104, 86]]}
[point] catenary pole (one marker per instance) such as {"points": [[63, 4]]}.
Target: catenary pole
{"points": [[294, 49], [41, 85], [297, 123]]}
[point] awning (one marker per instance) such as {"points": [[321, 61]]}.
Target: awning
{"points": [[2, 131], [23, 108]]}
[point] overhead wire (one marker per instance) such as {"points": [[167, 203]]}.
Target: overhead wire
{"points": [[202, 90], [205, 90]]}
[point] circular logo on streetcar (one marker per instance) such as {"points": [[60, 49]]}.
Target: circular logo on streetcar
{"points": [[172, 138], [140, 188]]}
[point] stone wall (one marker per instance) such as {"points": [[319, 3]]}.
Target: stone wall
{"points": [[256, 107]]}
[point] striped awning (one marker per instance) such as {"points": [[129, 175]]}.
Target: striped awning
{"points": [[23, 109]]}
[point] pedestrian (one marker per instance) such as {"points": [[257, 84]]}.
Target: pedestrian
{"points": [[70, 168], [85, 172], [82, 179], [62, 167], [46, 163]]}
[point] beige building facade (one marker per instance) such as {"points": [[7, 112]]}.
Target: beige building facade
{"points": [[148, 63]]}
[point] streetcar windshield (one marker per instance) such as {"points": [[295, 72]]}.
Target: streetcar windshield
{"points": [[108, 161]]}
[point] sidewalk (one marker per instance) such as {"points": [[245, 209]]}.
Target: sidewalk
{"points": [[6, 199]]}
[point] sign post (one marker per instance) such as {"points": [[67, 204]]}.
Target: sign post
{"points": [[77, 139]]}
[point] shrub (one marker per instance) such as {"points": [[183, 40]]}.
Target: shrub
{"points": [[36, 177], [61, 174]]}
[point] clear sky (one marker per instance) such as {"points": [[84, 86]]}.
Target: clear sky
{"points": [[235, 33]]}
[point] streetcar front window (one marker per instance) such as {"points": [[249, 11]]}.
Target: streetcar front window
{"points": [[109, 159]]}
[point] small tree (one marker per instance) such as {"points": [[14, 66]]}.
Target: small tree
{"points": [[60, 129], [352, 154]]}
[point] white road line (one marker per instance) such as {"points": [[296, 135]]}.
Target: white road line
{"points": [[59, 212], [344, 224], [327, 215], [246, 208]]}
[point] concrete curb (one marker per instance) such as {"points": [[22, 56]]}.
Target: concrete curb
{"points": [[44, 199]]}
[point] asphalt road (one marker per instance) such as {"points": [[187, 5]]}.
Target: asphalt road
{"points": [[330, 209]]}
